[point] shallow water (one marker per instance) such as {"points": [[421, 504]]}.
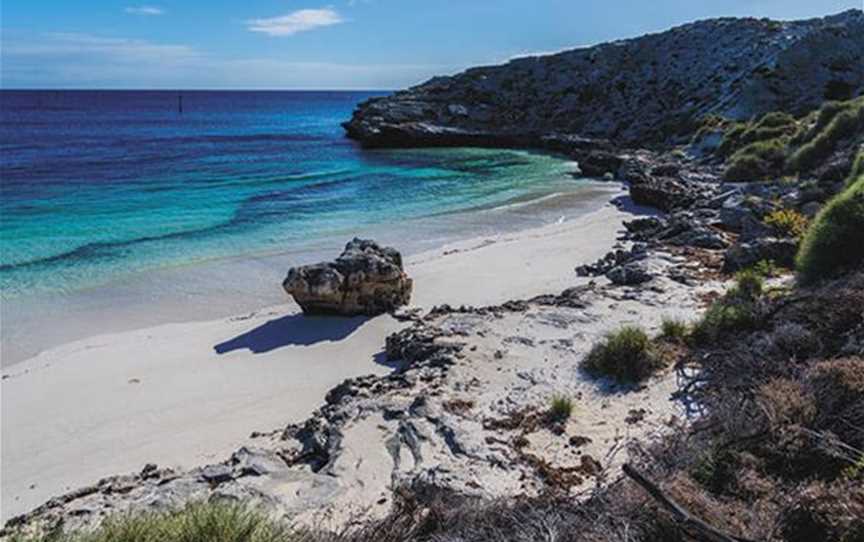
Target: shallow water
{"points": [[119, 211]]}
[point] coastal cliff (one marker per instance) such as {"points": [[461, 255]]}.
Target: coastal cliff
{"points": [[644, 90]]}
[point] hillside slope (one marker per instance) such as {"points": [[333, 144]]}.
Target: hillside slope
{"points": [[643, 90]]}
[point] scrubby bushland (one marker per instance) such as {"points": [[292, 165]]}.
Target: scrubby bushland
{"points": [[771, 126], [857, 168], [785, 404], [836, 121], [737, 311], [757, 161], [778, 144], [626, 355], [196, 522], [757, 149], [833, 243]]}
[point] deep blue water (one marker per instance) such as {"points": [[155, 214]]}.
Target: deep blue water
{"points": [[100, 185]]}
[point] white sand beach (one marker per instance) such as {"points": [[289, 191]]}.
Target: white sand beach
{"points": [[184, 394]]}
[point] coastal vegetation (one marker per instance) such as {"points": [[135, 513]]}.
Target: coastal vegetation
{"points": [[560, 408], [674, 330], [777, 143], [735, 312], [833, 244], [835, 121], [857, 167], [195, 522], [626, 355]]}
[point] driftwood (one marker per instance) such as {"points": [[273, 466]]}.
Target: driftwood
{"points": [[695, 526]]}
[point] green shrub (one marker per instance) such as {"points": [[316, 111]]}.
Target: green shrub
{"points": [[822, 118], [560, 408], [787, 222], [775, 119], [748, 286], [198, 522], [732, 138], [735, 312], [767, 268], [673, 330], [857, 168], [771, 126], [626, 355], [757, 161], [845, 122], [724, 317], [833, 243], [715, 470]]}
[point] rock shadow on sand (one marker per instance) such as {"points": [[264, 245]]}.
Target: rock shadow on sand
{"points": [[292, 330]]}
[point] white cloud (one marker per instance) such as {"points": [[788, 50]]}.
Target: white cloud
{"points": [[145, 10], [297, 21]]}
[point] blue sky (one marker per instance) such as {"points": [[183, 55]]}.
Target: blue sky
{"points": [[334, 44]]}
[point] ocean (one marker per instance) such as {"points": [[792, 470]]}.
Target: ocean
{"points": [[113, 201]]}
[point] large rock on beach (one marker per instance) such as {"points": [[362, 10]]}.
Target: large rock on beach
{"points": [[366, 279]]}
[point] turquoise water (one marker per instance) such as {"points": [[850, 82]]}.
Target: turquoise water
{"points": [[113, 202], [97, 186]]}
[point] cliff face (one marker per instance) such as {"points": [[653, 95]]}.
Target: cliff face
{"points": [[640, 90]]}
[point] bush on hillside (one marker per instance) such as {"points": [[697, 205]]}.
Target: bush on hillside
{"points": [[757, 161], [737, 311], [833, 242], [771, 126], [626, 355], [857, 168], [846, 121]]}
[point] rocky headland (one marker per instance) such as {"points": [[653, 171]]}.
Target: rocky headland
{"points": [[737, 304], [647, 90]]}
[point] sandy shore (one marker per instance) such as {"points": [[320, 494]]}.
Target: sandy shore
{"points": [[185, 394]]}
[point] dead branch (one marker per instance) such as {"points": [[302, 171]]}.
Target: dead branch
{"points": [[684, 518]]}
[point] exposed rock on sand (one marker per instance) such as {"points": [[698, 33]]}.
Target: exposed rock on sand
{"points": [[366, 279]]}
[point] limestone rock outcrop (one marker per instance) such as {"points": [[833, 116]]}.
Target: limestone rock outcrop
{"points": [[648, 89], [366, 279]]}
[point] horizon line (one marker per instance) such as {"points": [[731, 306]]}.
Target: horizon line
{"points": [[239, 89]]}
